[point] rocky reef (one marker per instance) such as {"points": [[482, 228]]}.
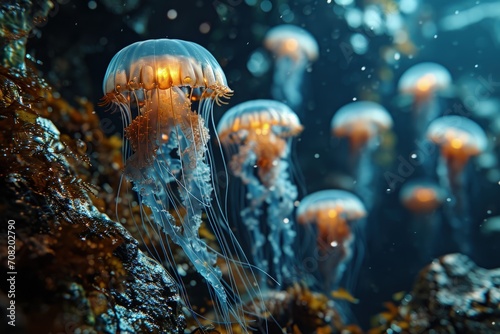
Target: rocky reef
{"points": [[451, 295], [71, 268]]}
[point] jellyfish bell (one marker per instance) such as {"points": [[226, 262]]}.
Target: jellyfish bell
{"points": [[293, 48], [153, 84], [333, 213], [157, 65], [421, 197], [165, 90], [256, 136], [459, 139], [266, 125], [360, 122], [287, 40], [424, 80]]}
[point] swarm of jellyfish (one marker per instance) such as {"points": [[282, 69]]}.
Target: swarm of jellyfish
{"points": [[459, 139], [256, 136], [362, 123], [333, 216], [270, 238], [293, 48], [154, 85]]}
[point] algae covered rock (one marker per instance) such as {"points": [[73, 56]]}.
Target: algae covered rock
{"points": [[71, 268]]}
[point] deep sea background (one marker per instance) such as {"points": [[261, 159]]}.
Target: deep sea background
{"points": [[80, 38]]}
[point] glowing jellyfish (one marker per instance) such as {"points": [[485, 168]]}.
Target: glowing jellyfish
{"points": [[423, 198], [459, 139], [423, 82], [333, 213], [362, 123], [257, 135], [294, 48], [156, 84]]}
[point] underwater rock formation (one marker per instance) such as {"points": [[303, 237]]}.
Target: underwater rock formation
{"points": [[73, 268], [298, 310], [451, 295]]}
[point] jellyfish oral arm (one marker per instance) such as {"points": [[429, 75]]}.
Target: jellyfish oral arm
{"points": [[243, 166], [172, 156], [279, 219]]}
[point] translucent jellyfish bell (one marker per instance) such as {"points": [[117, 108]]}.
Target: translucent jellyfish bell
{"points": [[459, 139], [421, 197], [424, 79], [333, 212], [362, 122], [266, 124], [153, 84], [256, 136], [293, 48]]}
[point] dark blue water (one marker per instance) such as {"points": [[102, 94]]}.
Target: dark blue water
{"points": [[76, 50]]}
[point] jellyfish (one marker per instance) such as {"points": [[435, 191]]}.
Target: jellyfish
{"points": [[333, 214], [422, 82], [294, 48], [459, 139], [423, 197], [256, 136], [165, 90], [362, 123]]}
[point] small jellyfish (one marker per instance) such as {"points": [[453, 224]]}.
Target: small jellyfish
{"points": [[422, 82], [423, 198], [333, 214], [459, 139], [293, 48], [256, 136], [165, 90], [362, 122]]}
